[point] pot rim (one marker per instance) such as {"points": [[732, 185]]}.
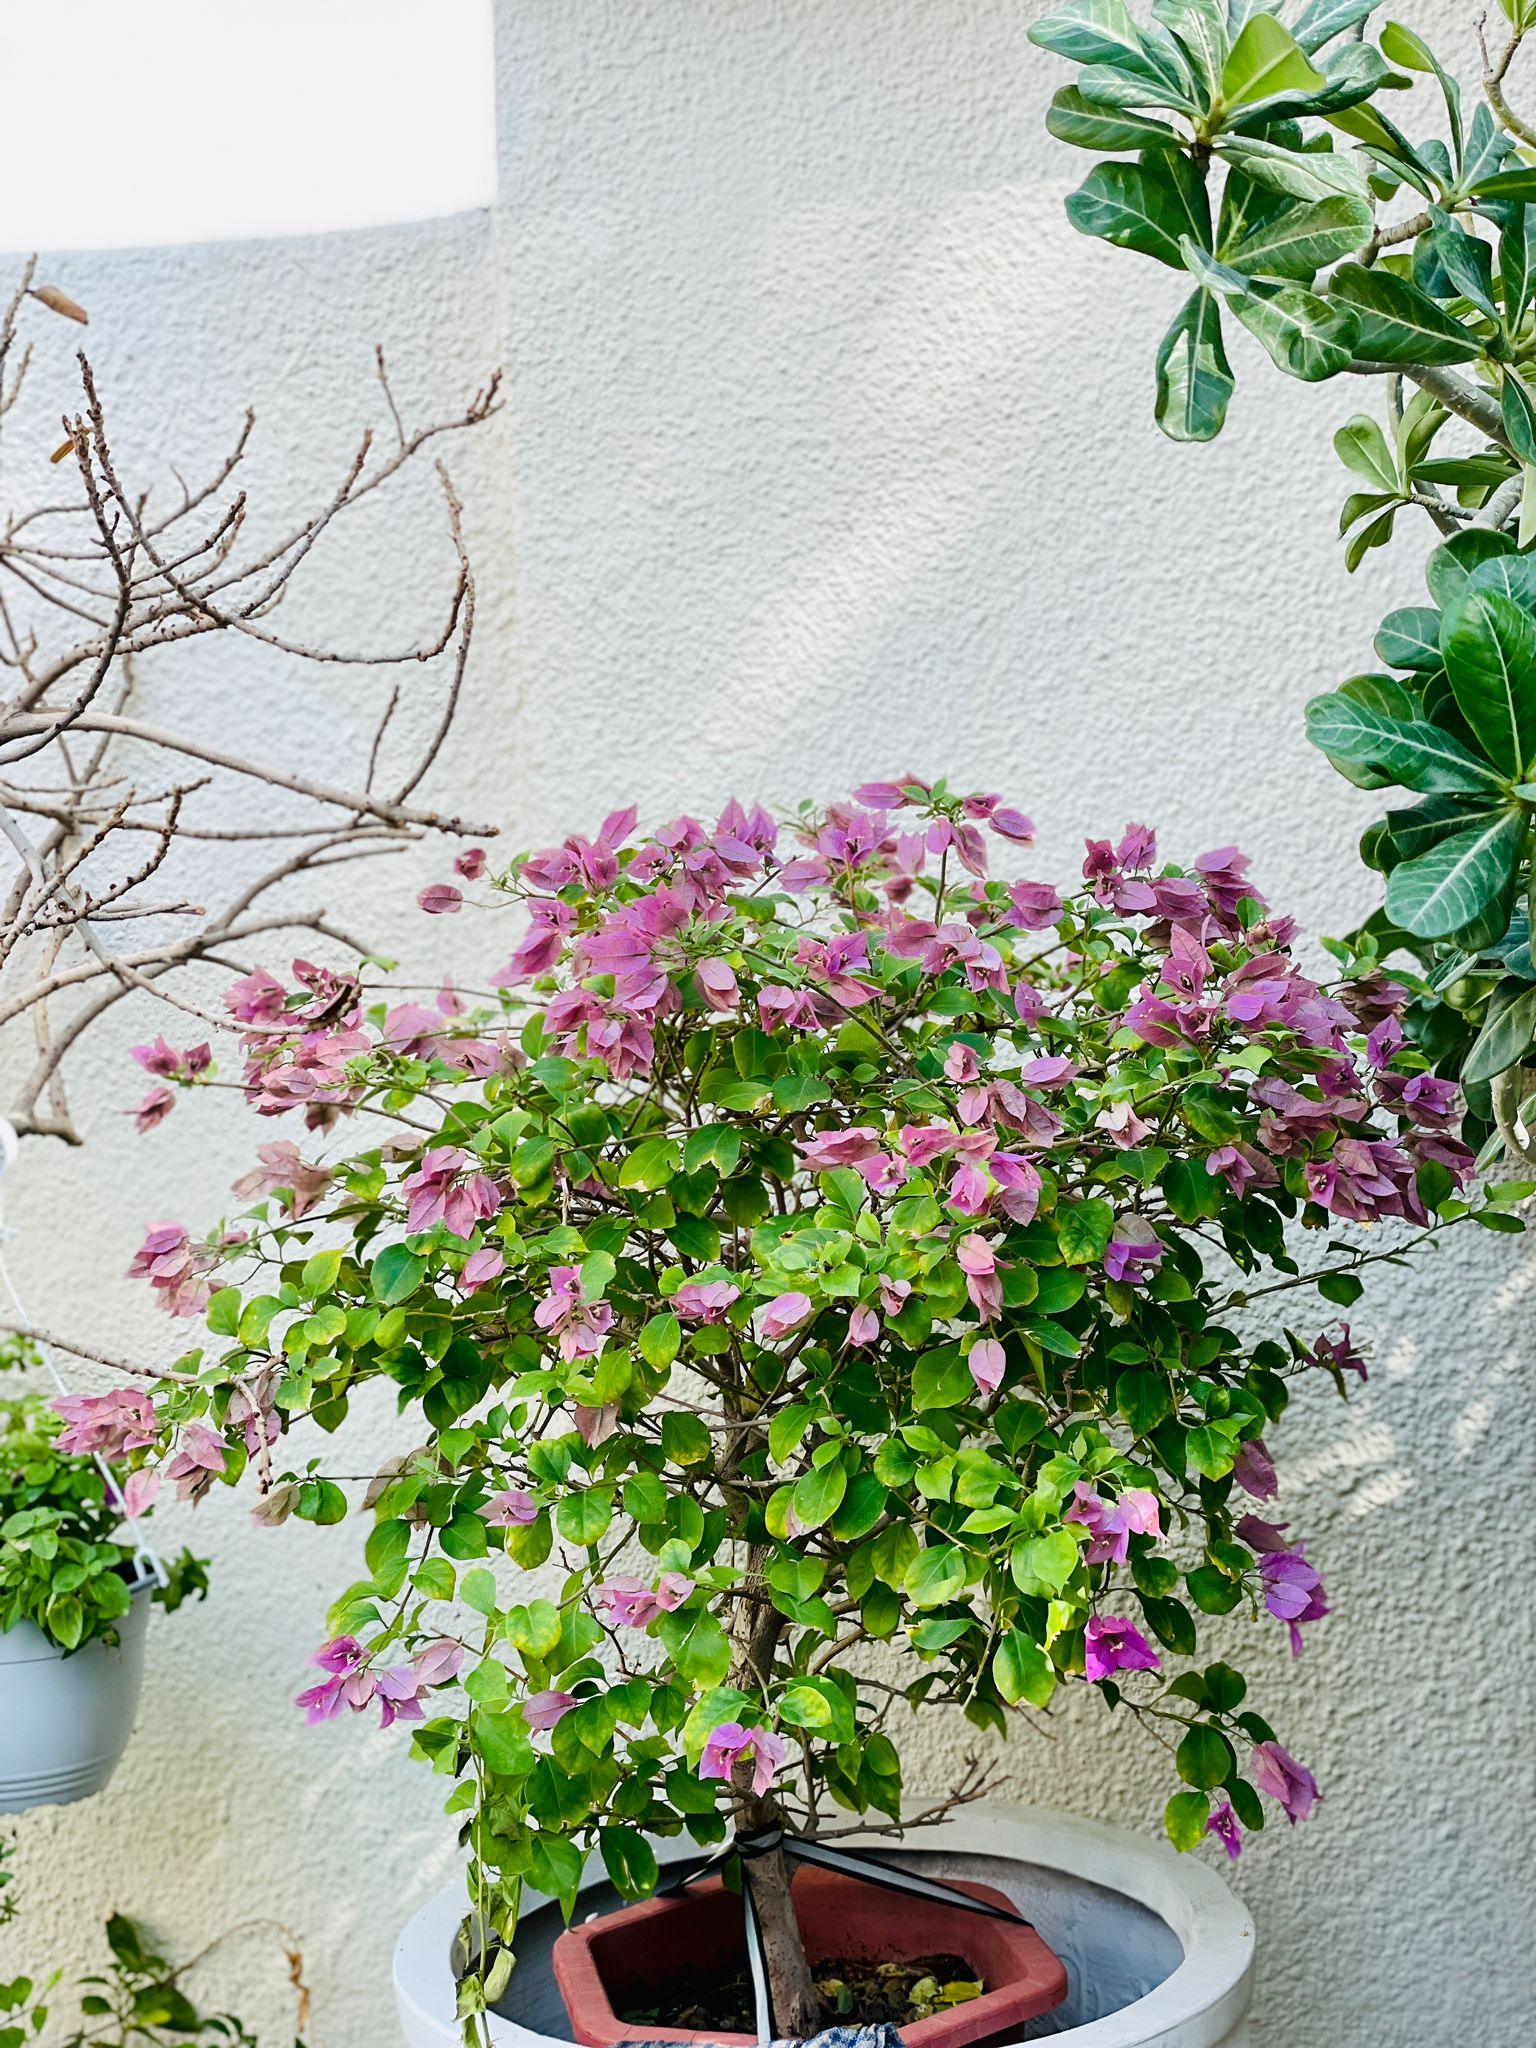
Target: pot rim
{"points": [[1195, 2006]]}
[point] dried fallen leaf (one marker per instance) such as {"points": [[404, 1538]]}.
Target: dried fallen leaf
{"points": [[61, 303]]}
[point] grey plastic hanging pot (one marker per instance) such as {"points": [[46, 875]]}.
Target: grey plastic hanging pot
{"points": [[65, 1720]]}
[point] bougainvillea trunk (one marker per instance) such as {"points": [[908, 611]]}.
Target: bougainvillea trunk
{"points": [[796, 2013]]}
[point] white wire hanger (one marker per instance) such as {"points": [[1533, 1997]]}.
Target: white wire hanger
{"points": [[145, 1555]]}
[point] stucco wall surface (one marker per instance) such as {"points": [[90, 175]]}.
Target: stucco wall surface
{"points": [[828, 451]]}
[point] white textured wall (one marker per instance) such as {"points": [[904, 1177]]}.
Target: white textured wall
{"points": [[830, 452]]}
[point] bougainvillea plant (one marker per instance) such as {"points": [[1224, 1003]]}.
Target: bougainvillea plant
{"points": [[66, 1562], [1283, 174], [815, 1249]]}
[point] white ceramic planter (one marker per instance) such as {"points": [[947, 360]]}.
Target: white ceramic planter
{"points": [[65, 1721], [1159, 1952]]}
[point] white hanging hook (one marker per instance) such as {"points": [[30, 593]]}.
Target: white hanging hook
{"points": [[144, 1551]]}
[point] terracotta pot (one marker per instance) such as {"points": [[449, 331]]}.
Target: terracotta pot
{"points": [[1159, 1954], [624, 1959]]}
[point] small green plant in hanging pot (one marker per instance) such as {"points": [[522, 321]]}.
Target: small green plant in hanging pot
{"points": [[76, 1586]]}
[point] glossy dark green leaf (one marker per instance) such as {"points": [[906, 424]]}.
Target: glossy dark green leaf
{"points": [[1299, 240], [1453, 263], [1488, 644], [1102, 33], [1147, 206], [1204, 1757], [1397, 322], [1451, 565], [1194, 378], [1487, 147], [1410, 638], [1091, 125], [1414, 753], [1300, 174], [1321, 20], [1413, 831], [1200, 29], [1506, 1034], [1456, 881], [1305, 335]]}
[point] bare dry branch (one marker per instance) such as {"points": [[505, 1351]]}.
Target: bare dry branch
{"points": [[89, 584]]}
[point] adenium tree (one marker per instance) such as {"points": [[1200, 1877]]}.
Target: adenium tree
{"points": [[1280, 172], [815, 1248]]}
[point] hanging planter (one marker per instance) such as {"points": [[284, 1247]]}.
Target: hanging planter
{"points": [[65, 1718], [77, 1578], [1155, 1950]]}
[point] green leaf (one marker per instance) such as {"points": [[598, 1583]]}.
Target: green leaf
{"points": [[535, 1630], [396, 1274], [1266, 59], [1488, 642], [1362, 447], [1450, 263], [1408, 833], [1148, 206], [224, 1312], [1453, 564], [1299, 174], [1144, 1399], [804, 1707], [1022, 1670], [935, 1576], [941, 1379], [584, 1517], [651, 1165], [320, 1272], [503, 1740], [629, 1860], [1411, 751], [1506, 1034], [1403, 47], [818, 1494], [660, 1339], [1194, 379], [1102, 32], [1516, 258], [1084, 122], [697, 1644], [1211, 1451], [1456, 880], [1410, 638], [1397, 322], [1083, 1230], [1204, 1757], [1306, 336], [1298, 241], [1185, 1818], [1200, 28], [1519, 417], [1321, 20], [1048, 1560], [478, 1590]]}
